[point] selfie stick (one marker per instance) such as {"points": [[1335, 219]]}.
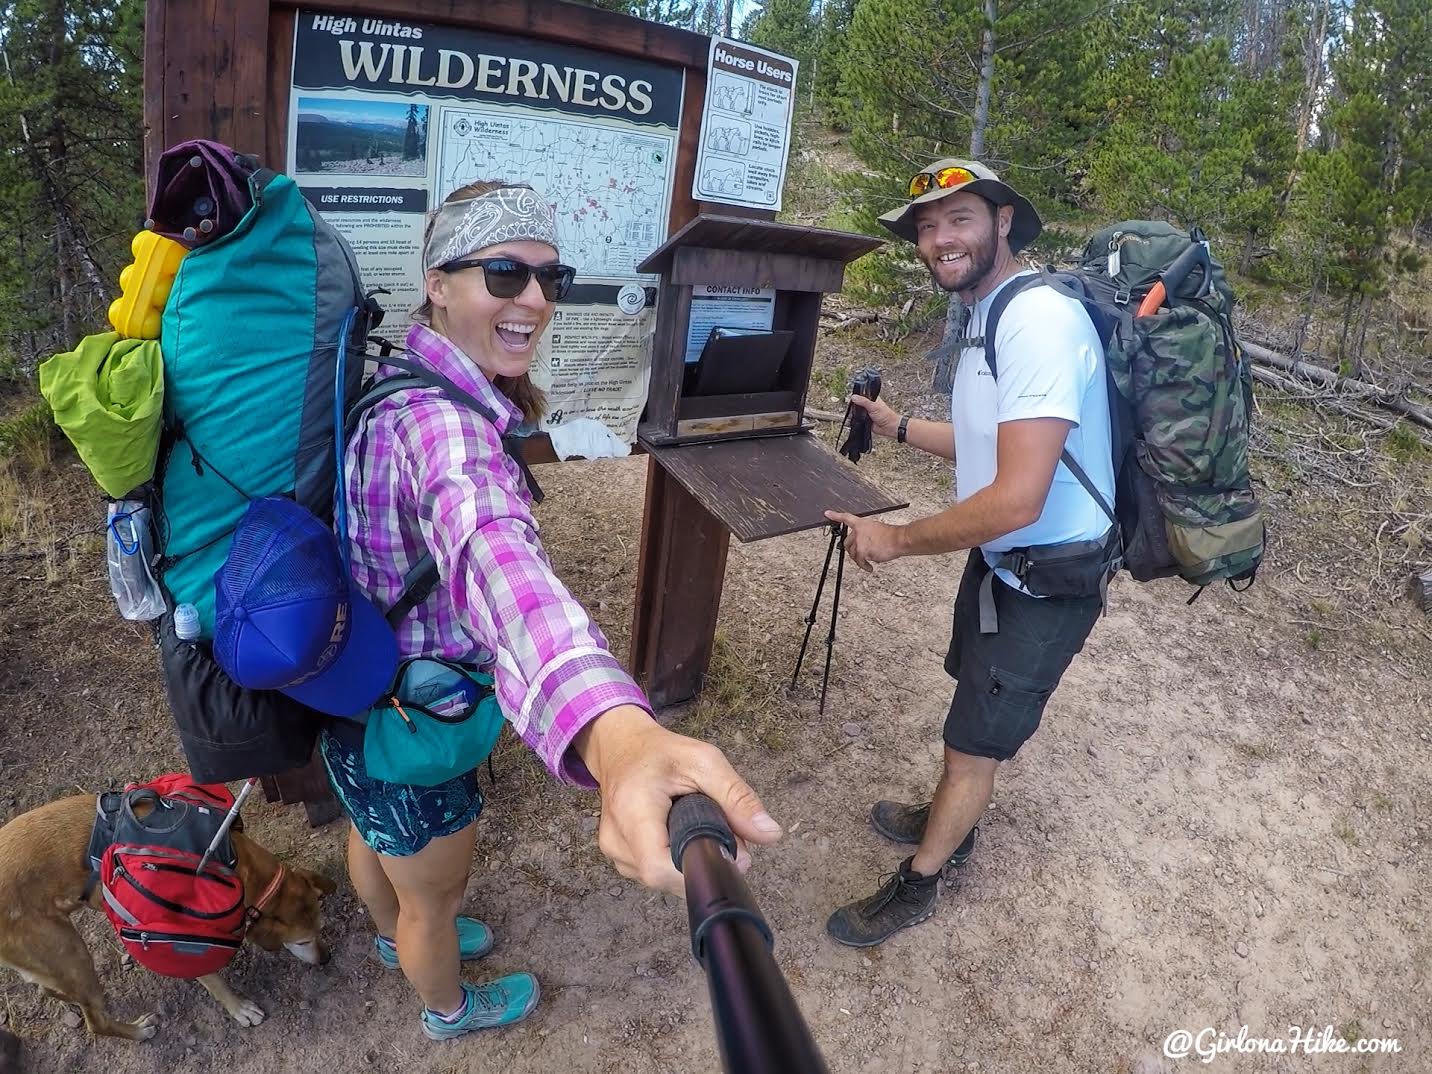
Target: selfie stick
{"points": [[759, 1028]]}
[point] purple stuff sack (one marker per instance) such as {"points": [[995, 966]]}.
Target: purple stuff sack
{"points": [[201, 191]]}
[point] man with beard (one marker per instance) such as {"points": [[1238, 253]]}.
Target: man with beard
{"points": [[1009, 647]]}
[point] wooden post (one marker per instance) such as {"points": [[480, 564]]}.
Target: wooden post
{"points": [[204, 74], [678, 590]]}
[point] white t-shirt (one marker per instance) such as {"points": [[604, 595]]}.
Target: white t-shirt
{"points": [[1051, 365]]}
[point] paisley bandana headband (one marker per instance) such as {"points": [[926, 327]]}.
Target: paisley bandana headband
{"points": [[509, 214]]}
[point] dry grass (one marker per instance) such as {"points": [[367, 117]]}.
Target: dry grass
{"points": [[28, 437], [744, 699]]}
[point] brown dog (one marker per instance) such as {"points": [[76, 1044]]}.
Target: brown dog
{"points": [[43, 869]]}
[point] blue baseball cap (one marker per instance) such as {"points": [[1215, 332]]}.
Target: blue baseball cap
{"points": [[288, 617]]}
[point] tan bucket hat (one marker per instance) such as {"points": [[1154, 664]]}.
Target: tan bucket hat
{"points": [[1023, 228]]}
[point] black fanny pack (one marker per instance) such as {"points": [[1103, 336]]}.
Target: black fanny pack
{"points": [[1071, 569]]}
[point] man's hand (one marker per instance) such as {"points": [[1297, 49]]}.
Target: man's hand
{"points": [[883, 418], [641, 767], [869, 541]]}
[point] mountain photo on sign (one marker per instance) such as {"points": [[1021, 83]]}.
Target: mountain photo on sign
{"points": [[357, 137]]}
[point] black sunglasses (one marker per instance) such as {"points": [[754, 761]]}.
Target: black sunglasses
{"points": [[507, 277]]}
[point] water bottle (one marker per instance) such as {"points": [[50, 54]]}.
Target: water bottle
{"points": [[186, 622], [128, 552]]}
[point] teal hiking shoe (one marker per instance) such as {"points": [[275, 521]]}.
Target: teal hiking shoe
{"points": [[486, 1006], [474, 939]]}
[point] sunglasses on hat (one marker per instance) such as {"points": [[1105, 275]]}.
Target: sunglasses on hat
{"points": [[942, 180], [506, 277]]}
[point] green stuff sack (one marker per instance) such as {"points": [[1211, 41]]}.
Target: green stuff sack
{"points": [[107, 395]]}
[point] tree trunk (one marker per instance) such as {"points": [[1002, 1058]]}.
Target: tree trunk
{"points": [[1245, 259], [947, 354], [62, 277], [1357, 389], [1359, 357], [981, 120], [1313, 58], [727, 14], [1346, 322]]}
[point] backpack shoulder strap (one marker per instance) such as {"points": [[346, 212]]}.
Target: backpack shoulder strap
{"points": [[996, 311], [1002, 300], [512, 445], [422, 578], [375, 395]]}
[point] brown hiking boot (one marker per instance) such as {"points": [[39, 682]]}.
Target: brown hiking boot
{"points": [[905, 899], [906, 824]]}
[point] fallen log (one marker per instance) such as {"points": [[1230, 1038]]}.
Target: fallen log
{"points": [[1346, 385], [863, 317], [1295, 387], [1335, 403]]}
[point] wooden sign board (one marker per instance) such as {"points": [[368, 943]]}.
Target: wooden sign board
{"points": [[380, 109]]}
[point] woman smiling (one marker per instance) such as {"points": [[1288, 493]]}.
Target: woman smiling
{"points": [[426, 474]]}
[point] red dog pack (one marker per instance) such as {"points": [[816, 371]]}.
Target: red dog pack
{"points": [[170, 917]]}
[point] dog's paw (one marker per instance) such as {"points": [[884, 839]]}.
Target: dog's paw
{"points": [[248, 1013], [145, 1027]]}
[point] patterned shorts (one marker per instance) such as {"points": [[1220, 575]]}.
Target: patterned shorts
{"points": [[397, 819]]}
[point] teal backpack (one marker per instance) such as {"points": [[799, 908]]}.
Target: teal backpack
{"points": [[250, 338]]}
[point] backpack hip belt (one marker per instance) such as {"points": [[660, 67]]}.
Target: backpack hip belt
{"points": [[1072, 569]]}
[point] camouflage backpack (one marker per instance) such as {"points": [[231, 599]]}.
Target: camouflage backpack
{"points": [[1181, 395]]}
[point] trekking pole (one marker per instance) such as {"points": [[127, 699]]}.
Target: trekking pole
{"points": [[815, 604], [229, 819], [834, 614], [759, 1028]]}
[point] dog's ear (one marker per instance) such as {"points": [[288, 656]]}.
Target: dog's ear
{"points": [[321, 881]]}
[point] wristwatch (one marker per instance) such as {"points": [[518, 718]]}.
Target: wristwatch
{"points": [[904, 427]]}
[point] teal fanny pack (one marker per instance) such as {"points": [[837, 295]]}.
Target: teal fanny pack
{"points": [[441, 720]]}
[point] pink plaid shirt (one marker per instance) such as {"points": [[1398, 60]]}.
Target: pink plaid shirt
{"points": [[425, 473]]}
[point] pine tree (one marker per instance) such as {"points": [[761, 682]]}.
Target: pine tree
{"points": [[72, 180], [913, 73], [790, 28], [832, 33], [1197, 130], [1373, 170]]}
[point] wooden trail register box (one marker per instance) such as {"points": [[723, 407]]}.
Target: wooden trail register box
{"points": [[788, 270], [729, 462]]}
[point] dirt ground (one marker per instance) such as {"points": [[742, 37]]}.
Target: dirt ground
{"points": [[1222, 822]]}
